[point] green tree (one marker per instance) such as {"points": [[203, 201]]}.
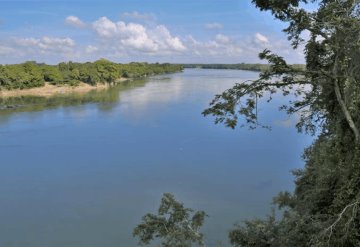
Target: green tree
{"points": [[324, 208], [174, 225], [52, 74], [34, 74], [332, 68], [21, 76], [107, 71]]}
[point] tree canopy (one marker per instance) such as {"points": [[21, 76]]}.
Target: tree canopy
{"points": [[32, 74]]}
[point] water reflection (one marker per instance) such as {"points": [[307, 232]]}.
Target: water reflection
{"points": [[161, 92], [107, 97]]}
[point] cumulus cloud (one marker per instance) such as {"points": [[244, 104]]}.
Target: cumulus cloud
{"points": [[139, 41], [235, 49], [214, 25], [45, 44], [105, 28], [47, 49], [137, 36], [74, 21], [162, 36], [221, 46]]}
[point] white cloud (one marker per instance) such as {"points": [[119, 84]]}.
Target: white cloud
{"points": [[74, 21], [220, 38], [45, 44], [221, 46], [44, 49], [146, 41], [139, 16], [261, 38], [162, 36], [137, 36], [236, 49], [104, 27], [214, 25]]}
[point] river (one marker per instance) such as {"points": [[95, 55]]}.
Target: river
{"points": [[80, 171]]}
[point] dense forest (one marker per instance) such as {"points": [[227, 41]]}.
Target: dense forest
{"points": [[323, 210], [32, 74], [239, 66]]}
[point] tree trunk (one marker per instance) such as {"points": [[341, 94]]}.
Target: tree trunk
{"points": [[346, 111]]}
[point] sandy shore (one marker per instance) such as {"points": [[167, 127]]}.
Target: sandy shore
{"points": [[51, 90]]}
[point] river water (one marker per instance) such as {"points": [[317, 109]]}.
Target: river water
{"points": [[80, 171]]}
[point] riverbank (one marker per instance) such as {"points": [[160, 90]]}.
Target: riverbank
{"points": [[30, 75], [49, 90]]}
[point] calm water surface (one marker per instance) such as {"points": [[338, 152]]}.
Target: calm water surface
{"points": [[81, 171]]}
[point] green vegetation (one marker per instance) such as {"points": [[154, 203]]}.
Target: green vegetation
{"points": [[174, 224], [32, 74], [239, 66], [324, 208], [12, 105]]}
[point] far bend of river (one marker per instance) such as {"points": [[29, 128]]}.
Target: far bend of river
{"points": [[81, 171]]}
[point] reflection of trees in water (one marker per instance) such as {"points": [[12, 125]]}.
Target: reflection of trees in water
{"points": [[109, 97]]}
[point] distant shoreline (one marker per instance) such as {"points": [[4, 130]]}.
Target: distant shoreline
{"points": [[256, 67]]}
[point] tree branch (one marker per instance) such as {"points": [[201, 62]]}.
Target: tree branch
{"points": [[342, 104], [340, 216]]}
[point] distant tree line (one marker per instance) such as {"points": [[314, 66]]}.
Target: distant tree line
{"points": [[32, 74], [239, 66]]}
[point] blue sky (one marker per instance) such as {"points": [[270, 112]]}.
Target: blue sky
{"points": [[198, 31]]}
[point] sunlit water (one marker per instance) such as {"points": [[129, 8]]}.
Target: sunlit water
{"points": [[81, 171]]}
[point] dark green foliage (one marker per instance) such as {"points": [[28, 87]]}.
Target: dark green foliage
{"points": [[21, 76], [107, 71], [31, 74], [174, 225], [52, 74], [255, 233], [324, 208]]}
